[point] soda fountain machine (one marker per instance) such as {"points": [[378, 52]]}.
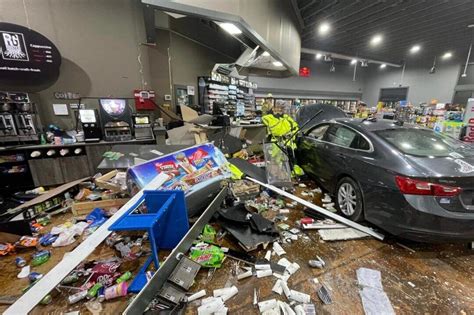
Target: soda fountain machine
{"points": [[116, 118]]}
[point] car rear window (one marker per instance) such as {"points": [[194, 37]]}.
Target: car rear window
{"points": [[423, 142]]}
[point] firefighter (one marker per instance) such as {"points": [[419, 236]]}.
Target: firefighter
{"points": [[282, 130]]}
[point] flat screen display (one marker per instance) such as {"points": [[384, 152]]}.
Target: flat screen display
{"points": [[87, 116], [113, 107], [139, 120]]}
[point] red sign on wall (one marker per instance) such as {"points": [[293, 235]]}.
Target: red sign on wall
{"points": [[305, 72], [144, 99]]}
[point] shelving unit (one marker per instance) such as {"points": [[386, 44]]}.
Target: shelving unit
{"points": [[236, 95]]}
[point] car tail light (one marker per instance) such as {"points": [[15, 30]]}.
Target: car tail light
{"points": [[412, 186]]}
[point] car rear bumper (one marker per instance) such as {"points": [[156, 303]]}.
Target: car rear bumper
{"points": [[420, 218]]}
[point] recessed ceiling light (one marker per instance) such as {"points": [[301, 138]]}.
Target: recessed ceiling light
{"points": [[230, 28], [277, 64], [377, 39], [318, 56], [324, 28], [353, 61], [383, 66], [415, 49], [447, 55], [265, 54]]}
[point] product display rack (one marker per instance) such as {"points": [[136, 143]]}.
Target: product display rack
{"points": [[236, 95]]}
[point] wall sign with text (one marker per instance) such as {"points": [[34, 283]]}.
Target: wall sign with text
{"points": [[28, 60]]}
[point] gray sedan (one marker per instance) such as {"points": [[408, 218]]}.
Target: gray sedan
{"points": [[409, 181]]}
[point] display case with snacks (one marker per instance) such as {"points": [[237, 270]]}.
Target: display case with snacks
{"points": [[14, 171], [236, 95]]}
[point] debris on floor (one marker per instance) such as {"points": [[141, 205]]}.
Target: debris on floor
{"points": [[341, 234], [374, 299]]}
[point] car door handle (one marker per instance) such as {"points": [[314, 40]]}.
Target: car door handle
{"points": [[340, 155]]}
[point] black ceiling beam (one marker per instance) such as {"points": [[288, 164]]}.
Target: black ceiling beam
{"points": [[309, 25], [149, 20], [435, 29], [399, 20], [414, 27]]}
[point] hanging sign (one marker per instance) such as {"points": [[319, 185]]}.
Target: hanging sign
{"points": [[28, 60]]}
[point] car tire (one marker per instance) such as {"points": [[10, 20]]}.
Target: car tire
{"points": [[349, 199]]}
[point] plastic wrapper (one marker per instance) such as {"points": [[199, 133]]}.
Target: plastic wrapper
{"points": [[27, 242], [208, 234], [207, 255]]}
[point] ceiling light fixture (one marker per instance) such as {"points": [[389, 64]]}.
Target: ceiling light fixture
{"points": [[364, 63], [265, 54], [277, 64], [318, 56], [383, 66], [433, 68], [377, 39], [447, 55], [333, 67], [464, 74], [353, 61], [324, 28], [230, 28], [415, 49], [327, 58]]}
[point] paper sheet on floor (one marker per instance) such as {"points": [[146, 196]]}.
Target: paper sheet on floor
{"points": [[374, 299]]}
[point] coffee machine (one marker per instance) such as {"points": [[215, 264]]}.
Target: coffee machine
{"points": [[116, 118], [17, 118], [142, 127], [90, 125]]}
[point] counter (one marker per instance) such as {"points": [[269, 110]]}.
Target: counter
{"points": [[20, 170]]}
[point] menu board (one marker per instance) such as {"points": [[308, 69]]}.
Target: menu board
{"points": [[27, 59]]}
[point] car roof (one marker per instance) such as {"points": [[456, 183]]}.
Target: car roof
{"points": [[373, 125]]}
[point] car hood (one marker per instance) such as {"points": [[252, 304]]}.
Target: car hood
{"points": [[305, 117]]}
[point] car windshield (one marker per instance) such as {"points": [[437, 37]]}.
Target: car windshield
{"points": [[422, 142]]}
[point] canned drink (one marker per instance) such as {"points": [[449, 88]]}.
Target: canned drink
{"points": [[77, 297], [94, 290], [101, 295], [116, 291], [40, 257], [34, 276], [46, 300], [70, 279], [125, 277], [20, 262]]}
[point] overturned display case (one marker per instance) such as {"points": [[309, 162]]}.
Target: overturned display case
{"points": [[167, 271]]}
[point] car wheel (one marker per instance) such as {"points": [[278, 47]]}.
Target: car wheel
{"points": [[349, 199]]}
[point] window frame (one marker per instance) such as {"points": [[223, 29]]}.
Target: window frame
{"points": [[371, 146]]}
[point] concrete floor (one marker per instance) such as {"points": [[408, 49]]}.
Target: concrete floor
{"points": [[441, 276], [418, 278]]}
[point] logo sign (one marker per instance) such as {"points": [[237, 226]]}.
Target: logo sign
{"points": [[28, 60], [13, 46]]}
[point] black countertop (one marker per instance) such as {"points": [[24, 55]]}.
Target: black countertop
{"points": [[77, 144]]}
